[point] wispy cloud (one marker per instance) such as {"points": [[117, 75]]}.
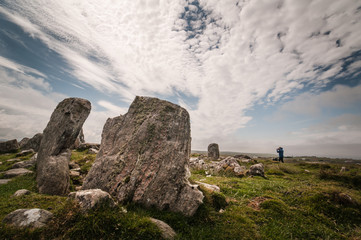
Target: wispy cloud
{"points": [[230, 55]]}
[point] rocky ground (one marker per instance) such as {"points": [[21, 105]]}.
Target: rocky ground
{"points": [[299, 199]]}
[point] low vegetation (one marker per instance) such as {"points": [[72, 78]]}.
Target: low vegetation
{"points": [[297, 200]]}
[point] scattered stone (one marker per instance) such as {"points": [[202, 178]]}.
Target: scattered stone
{"points": [[32, 218], [166, 230], [74, 173], [307, 171], [221, 210], [16, 172], [210, 187], [92, 151], [4, 181], [256, 170], [85, 146], [25, 152], [78, 188], [21, 192], [32, 143], [59, 135], [9, 146], [92, 198], [73, 165], [23, 164], [13, 160], [213, 151], [229, 165], [343, 198], [144, 157]]}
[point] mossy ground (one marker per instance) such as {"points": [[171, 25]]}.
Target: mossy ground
{"points": [[298, 200]]}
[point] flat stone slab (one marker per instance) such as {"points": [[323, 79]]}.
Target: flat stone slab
{"points": [[4, 181], [16, 172]]}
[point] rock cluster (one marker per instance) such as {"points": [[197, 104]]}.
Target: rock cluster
{"points": [[144, 157], [227, 165], [59, 135]]}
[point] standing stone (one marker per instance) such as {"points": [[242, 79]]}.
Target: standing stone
{"points": [[58, 136], [144, 157], [32, 143], [9, 146], [213, 151]]}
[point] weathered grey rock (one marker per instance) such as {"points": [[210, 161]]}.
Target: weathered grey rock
{"points": [[16, 172], [13, 160], [23, 164], [9, 146], [23, 142], [59, 135], [32, 143], [32, 218], [25, 152], [166, 230], [21, 192], [213, 151], [79, 140], [4, 181], [93, 151], [256, 170], [85, 146], [92, 198], [144, 155], [209, 187]]}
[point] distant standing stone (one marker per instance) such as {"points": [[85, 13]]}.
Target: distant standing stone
{"points": [[213, 151], [9, 146], [59, 135], [144, 157]]}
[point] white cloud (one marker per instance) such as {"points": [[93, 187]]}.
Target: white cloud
{"points": [[341, 97], [242, 53]]}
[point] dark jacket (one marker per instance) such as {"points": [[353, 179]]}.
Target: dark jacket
{"points": [[280, 152]]}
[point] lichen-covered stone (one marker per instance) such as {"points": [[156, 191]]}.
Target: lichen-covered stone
{"points": [[144, 157], [92, 198], [31, 218], [59, 135]]}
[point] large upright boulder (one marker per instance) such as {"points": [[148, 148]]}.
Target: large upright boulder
{"points": [[58, 136], [144, 157], [9, 146], [213, 151], [32, 143]]}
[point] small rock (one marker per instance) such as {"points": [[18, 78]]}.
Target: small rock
{"points": [[24, 164], [21, 192], [25, 152], [13, 160], [256, 170], [78, 188], [307, 171], [73, 173], [93, 151], [343, 169], [16, 172], [4, 181], [92, 198], [210, 187], [221, 210], [166, 230], [33, 218], [73, 165]]}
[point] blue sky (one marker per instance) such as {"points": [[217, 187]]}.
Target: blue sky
{"points": [[254, 75]]}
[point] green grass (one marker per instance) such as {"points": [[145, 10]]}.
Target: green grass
{"points": [[298, 200]]}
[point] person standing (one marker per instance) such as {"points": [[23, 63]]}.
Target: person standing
{"points": [[280, 154]]}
